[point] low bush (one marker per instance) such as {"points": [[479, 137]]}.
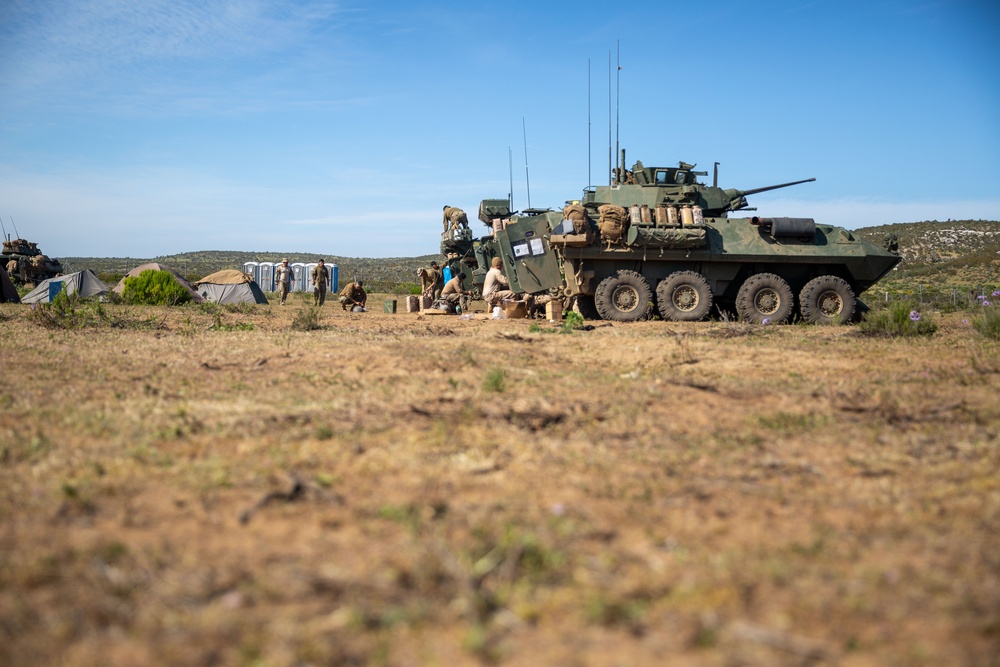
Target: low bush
{"points": [[987, 322], [307, 318], [900, 319]]}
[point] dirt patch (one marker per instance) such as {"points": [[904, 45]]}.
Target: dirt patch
{"points": [[405, 489]]}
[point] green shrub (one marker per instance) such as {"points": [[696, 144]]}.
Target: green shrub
{"points": [[987, 323], [155, 288], [307, 318], [495, 380], [900, 319]]}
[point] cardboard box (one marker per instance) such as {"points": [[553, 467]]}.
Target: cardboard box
{"points": [[390, 306], [514, 310], [554, 310]]}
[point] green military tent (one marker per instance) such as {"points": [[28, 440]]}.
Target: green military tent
{"points": [[230, 286], [84, 283]]}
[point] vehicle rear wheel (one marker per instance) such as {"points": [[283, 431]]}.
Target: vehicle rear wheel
{"points": [[684, 296], [583, 305], [765, 296], [623, 297], [827, 300]]}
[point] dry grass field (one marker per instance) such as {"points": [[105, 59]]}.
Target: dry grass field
{"points": [[421, 490]]}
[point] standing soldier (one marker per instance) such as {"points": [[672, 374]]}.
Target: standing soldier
{"points": [[454, 217], [283, 278], [321, 278], [437, 280], [353, 295]]}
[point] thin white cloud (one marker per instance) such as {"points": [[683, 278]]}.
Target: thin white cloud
{"points": [[204, 54]]}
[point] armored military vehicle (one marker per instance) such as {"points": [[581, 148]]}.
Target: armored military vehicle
{"points": [[657, 238], [25, 263]]}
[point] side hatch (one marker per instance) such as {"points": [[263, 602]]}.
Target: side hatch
{"points": [[529, 261]]}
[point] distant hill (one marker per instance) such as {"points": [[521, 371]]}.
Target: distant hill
{"points": [[953, 253]]}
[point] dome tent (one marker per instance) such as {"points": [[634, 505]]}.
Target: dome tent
{"points": [[85, 283], [230, 286]]}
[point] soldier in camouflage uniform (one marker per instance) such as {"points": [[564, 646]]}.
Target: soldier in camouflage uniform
{"points": [[283, 279], [496, 285], [454, 294], [454, 218], [321, 278], [353, 295], [437, 280]]}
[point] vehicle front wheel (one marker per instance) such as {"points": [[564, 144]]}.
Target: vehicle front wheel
{"points": [[623, 297], [827, 300], [684, 296], [765, 297]]}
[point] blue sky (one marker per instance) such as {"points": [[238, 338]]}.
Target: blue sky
{"points": [[162, 126]]}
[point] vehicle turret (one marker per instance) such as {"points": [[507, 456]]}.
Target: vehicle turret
{"points": [[674, 186]]}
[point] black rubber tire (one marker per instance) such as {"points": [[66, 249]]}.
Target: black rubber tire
{"points": [[583, 305], [827, 300], [623, 297], [765, 296], [684, 296]]}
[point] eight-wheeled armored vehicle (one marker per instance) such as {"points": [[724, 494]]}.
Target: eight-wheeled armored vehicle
{"points": [[657, 238]]}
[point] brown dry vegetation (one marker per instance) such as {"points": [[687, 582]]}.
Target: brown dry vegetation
{"points": [[418, 490]]}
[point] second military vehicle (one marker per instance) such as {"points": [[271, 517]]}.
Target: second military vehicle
{"points": [[657, 238], [25, 263]]}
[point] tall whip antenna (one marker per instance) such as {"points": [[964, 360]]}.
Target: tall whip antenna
{"points": [[15, 227], [609, 118], [589, 182], [618, 76], [510, 167], [527, 181]]}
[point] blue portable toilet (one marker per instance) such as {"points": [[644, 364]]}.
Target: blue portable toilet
{"points": [[334, 275], [447, 273], [265, 276]]}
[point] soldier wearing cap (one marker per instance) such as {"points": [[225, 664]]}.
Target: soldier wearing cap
{"points": [[321, 278], [283, 279], [353, 295]]}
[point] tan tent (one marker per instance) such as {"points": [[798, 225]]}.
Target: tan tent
{"points": [[154, 266], [230, 286]]}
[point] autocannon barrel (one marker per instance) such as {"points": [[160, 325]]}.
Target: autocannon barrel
{"points": [[776, 187]]}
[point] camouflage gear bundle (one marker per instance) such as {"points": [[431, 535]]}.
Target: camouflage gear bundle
{"points": [[612, 222], [577, 214], [660, 237]]}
